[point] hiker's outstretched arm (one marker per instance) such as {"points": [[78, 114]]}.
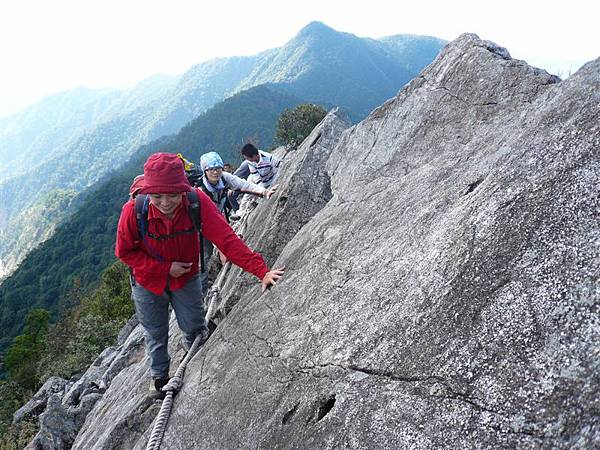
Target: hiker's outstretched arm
{"points": [[216, 229], [239, 184]]}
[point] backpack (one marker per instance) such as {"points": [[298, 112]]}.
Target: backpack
{"points": [[142, 202], [192, 171], [195, 175], [218, 197]]}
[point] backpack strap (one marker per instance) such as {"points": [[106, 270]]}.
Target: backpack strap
{"points": [[215, 196], [218, 197], [142, 202], [194, 212], [141, 213]]}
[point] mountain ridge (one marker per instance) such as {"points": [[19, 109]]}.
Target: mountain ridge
{"points": [[83, 245], [441, 289], [85, 157]]}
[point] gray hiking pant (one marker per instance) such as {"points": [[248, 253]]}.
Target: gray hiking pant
{"points": [[153, 313]]}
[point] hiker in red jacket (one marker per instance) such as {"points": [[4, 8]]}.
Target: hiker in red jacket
{"points": [[165, 258]]}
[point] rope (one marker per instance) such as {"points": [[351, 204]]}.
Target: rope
{"points": [[174, 385], [215, 289]]}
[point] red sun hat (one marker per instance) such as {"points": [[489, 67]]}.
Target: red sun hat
{"points": [[164, 174]]}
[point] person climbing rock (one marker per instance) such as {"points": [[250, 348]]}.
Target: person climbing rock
{"points": [[259, 166], [219, 186], [161, 246], [217, 183]]}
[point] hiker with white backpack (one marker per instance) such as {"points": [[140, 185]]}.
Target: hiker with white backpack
{"points": [[259, 167]]}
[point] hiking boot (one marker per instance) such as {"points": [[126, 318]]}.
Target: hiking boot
{"points": [[156, 386], [235, 217]]}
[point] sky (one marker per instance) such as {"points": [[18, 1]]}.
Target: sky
{"points": [[51, 46]]}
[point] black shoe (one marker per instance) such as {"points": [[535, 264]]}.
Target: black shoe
{"points": [[156, 386]]}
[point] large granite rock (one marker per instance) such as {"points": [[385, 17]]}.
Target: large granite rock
{"points": [[442, 293], [64, 406], [34, 407], [446, 296], [303, 188]]}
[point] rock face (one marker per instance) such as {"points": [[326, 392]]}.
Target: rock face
{"points": [[444, 294], [66, 405], [37, 404], [304, 187]]}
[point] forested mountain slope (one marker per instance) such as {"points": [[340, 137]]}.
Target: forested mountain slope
{"points": [[84, 244], [67, 149]]}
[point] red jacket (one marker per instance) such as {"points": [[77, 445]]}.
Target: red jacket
{"points": [[153, 274]]}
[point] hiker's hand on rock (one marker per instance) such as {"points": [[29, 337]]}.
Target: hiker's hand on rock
{"points": [[271, 191], [179, 268], [271, 278]]}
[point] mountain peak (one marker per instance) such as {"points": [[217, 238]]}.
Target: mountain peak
{"points": [[315, 28]]}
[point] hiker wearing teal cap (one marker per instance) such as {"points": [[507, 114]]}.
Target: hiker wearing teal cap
{"points": [[218, 184]]}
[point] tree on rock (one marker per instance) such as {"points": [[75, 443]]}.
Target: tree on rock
{"points": [[295, 124]]}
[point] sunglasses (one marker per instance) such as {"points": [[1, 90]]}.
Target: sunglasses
{"points": [[214, 169]]}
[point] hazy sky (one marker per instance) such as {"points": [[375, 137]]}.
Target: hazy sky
{"points": [[49, 46]]}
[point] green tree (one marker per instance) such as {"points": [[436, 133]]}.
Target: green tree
{"points": [[111, 300], [295, 124], [75, 341], [23, 355]]}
